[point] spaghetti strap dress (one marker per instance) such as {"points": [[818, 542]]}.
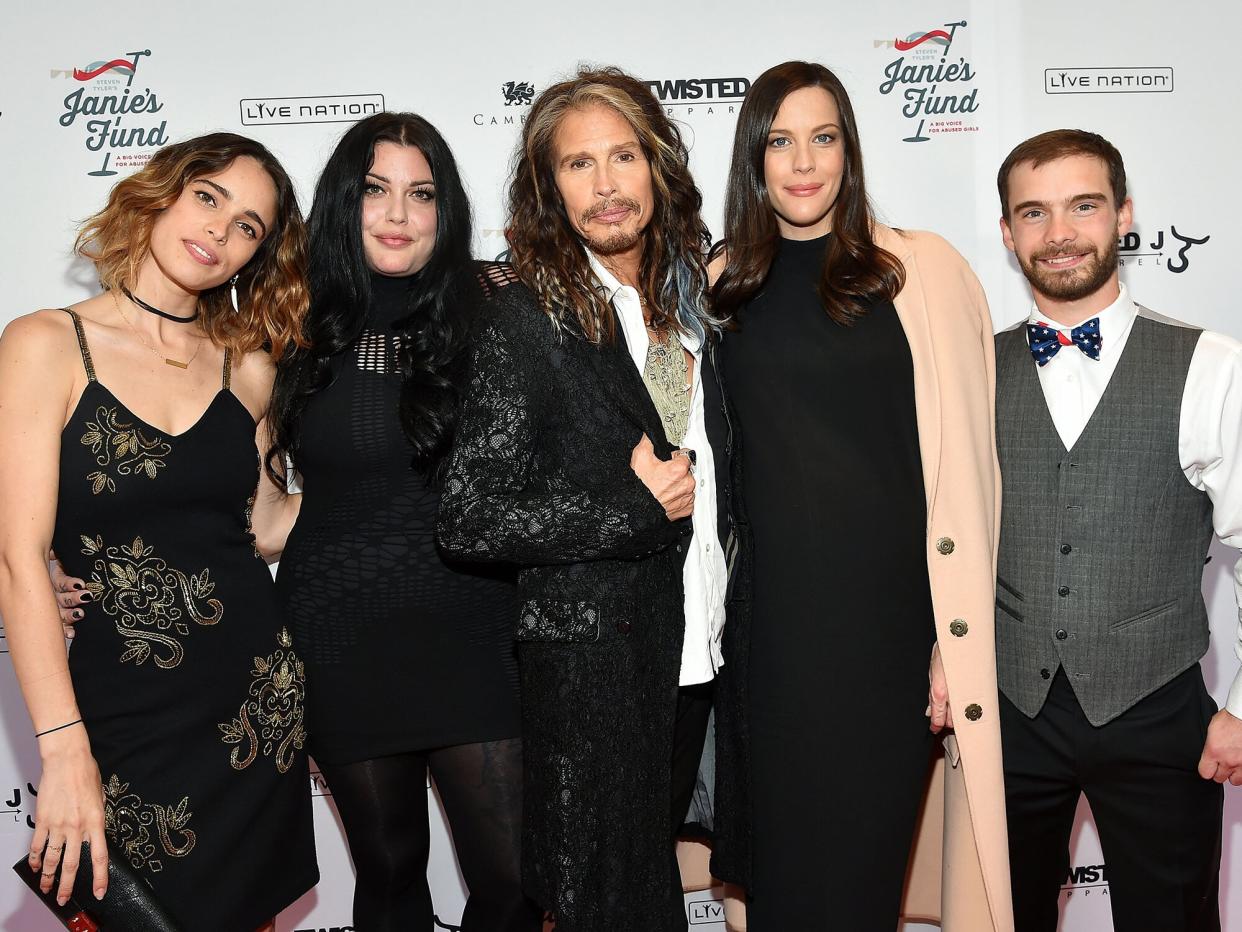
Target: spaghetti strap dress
{"points": [[189, 684]]}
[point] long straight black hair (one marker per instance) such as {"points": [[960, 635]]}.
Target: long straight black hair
{"points": [[855, 268], [441, 305]]}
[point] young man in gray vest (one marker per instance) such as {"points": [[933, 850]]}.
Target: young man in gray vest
{"points": [[1120, 441]]}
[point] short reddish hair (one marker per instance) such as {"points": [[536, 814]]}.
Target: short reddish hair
{"points": [[1058, 144]]}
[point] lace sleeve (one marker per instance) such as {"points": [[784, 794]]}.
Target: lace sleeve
{"points": [[493, 508]]}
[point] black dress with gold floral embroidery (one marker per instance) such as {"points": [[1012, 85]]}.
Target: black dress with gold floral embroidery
{"points": [[188, 683]]}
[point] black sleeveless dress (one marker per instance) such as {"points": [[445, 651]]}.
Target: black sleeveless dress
{"points": [[404, 650], [842, 625], [187, 680]]}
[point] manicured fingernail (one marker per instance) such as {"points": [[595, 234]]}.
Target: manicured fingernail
{"points": [[85, 597], [99, 893], [78, 585], [77, 613]]}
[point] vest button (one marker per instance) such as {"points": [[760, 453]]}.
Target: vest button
{"points": [[623, 627], [1066, 548], [1044, 673], [958, 628], [945, 545], [1062, 634], [1063, 591], [974, 712]]}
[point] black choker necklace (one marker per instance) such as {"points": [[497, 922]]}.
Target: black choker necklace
{"points": [[156, 311]]}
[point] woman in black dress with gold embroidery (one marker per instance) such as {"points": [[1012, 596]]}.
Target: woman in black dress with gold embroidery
{"points": [[410, 658], [127, 426]]}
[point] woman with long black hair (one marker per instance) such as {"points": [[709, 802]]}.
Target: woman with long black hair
{"points": [[410, 663], [860, 364]]}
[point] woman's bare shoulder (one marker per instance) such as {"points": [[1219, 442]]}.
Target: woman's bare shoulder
{"points": [[39, 332]]}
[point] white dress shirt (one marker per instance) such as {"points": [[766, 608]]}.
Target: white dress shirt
{"points": [[704, 575], [1209, 434]]}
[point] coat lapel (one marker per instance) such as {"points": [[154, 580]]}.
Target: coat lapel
{"points": [[911, 306]]}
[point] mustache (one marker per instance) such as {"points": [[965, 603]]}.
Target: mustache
{"points": [[1070, 250], [604, 206]]}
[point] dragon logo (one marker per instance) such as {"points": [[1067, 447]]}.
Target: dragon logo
{"points": [[518, 93]]}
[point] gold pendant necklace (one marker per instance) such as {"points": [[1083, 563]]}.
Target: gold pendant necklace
{"points": [[168, 360]]}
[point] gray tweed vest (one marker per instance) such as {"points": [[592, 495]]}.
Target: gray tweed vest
{"points": [[1102, 547]]}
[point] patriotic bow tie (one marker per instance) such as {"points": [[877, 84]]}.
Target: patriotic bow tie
{"points": [[1047, 341]]}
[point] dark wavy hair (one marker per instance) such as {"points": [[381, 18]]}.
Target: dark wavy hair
{"points": [[435, 330], [547, 252], [855, 268], [271, 288]]}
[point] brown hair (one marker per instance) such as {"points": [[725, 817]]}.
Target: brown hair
{"points": [[855, 268], [1059, 144], [272, 293], [546, 250]]}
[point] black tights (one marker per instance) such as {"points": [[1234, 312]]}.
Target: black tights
{"points": [[383, 806]]}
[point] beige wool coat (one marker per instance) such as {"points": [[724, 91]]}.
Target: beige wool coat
{"points": [[960, 867]]}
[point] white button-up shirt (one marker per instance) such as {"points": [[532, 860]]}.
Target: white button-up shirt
{"points": [[704, 575], [1210, 430]]}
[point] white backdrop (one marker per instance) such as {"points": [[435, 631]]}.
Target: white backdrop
{"points": [[1151, 78]]}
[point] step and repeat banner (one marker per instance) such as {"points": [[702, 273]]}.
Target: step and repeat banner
{"points": [[943, 90]]}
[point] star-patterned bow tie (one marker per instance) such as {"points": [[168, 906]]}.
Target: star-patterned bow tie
{"points": [[1047, 341]]}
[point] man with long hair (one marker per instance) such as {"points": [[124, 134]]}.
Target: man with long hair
{"points": [[583, 455], [1120, 439]]}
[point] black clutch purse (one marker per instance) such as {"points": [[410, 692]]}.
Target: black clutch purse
{"points": [[128, 906]]}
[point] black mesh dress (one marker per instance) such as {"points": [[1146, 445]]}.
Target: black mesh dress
{"points": [[189, 684], [403, 651]]}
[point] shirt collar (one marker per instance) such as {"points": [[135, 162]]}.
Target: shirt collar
{"points": [[626, 306], [1115, 320], [607, 280], [625, 299]]}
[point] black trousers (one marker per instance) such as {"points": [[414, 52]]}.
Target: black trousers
{"points": [[1159, 822], [694, 706]]}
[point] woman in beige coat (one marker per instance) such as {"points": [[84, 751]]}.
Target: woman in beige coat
{"points": [[860, 368]]}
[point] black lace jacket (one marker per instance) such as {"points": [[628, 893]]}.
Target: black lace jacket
{"points": [[540, 476], [540, 471]]}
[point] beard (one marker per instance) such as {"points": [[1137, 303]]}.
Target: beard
{"points": [[620, 237], [1071, 284]]}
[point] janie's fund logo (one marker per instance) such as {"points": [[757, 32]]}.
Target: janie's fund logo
{"points": [[118, 116], [935, 90]]}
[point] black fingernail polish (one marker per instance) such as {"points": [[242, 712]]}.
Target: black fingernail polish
{"points": [[86, 597], [78, 613], [78, 585]]}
